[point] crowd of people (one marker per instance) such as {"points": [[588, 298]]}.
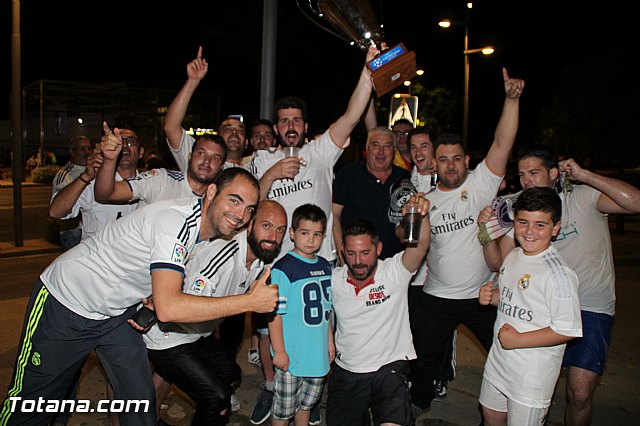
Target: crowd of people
{"points": [[339, 303]]}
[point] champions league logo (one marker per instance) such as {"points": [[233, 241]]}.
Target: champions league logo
{"points": [[523, 283], [401, 192], [503, 209]]}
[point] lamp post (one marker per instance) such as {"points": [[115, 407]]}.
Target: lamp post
{"points": [[488, 50]]}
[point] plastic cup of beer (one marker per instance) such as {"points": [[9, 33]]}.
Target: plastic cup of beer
{"points": [[412, 224]]}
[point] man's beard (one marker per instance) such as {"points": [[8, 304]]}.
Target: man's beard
{"points": [[266, 255], [283, 142], [361, 276]]}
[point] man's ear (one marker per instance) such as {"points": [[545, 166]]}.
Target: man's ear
{"points": [[141, 152], [555, 229], [212, 190], [467, 159], [379, 248]]}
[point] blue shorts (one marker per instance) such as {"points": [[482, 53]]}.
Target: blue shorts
{"points": [[589, 352]]}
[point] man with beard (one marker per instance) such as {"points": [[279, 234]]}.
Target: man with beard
{"points": [[373, 337], [293, 181], [232, 129], [82, 301], [457, 267], [209, 153], [189, 355]]}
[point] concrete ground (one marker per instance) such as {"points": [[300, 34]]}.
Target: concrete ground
{"points": [[617, 399]]}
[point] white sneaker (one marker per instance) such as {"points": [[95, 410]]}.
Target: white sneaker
{"points": [[235, 404], [253, 357]]}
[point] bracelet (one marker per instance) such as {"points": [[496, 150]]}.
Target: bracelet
{"points": [[86, 182]]}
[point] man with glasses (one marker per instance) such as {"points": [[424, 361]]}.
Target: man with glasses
{"points": [[402, 158]]}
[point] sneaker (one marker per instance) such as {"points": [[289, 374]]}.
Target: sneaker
{"points": [[315, 416], [235, 404], [253, 357], [440, 392], [262, 410]]}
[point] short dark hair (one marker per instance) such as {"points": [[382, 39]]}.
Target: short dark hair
{"points": [[402, 121], [545, 154], [290, 102], [224, 178], [360, 227], [540, 200], [449, 139], [262, 122], [217, 139], [308, 212], [421, 131]]}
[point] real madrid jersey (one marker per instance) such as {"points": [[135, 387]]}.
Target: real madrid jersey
{"points": [[215, 268], [312, 185], [536, 292], [159, 184], [103, 276]]}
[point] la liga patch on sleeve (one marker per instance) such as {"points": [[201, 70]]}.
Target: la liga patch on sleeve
{"points": [[179, 254]]}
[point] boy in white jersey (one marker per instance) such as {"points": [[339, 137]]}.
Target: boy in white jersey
{"points": [[538, 313], [300, 331]]}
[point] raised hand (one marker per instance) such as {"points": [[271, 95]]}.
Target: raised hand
{"points": [[197, 69], [513, 87], [111, 142]]}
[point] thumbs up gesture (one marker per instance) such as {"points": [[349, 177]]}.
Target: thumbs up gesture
{"points": [[263, 296]]}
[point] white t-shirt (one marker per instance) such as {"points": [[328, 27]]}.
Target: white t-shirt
{"points": [[181, 155], [373, 324], [312, 185], [95, 215], [65, 176], [214, 269], [103, 276], [535, 292], [159, 184], [457, 267], [585, 243]]}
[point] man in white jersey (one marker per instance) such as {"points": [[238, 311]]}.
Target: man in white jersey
{"points": [[585, 244], [180, 143], [77, 197], [373, 337], [424, 179], [293, 182], [83, 300], [158, 184], [188, 355], [79, 149], [457, 267]]}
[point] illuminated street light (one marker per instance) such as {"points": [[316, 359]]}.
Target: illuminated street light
{"points": [[487, 50]]}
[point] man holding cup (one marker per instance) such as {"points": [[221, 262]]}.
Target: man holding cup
{"points": [[373, 338]]}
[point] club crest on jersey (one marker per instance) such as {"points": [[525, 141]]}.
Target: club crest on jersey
{"points": [[179, 253], [149, 173], [464, 195], [198, 285], [523, 282]]}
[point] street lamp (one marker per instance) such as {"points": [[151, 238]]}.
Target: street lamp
{"points": [[487, 50]]}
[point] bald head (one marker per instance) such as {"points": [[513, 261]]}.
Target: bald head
{"points": [[267, 230]]}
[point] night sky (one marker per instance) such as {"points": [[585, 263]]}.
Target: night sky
{"points": [[148, 43]]}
